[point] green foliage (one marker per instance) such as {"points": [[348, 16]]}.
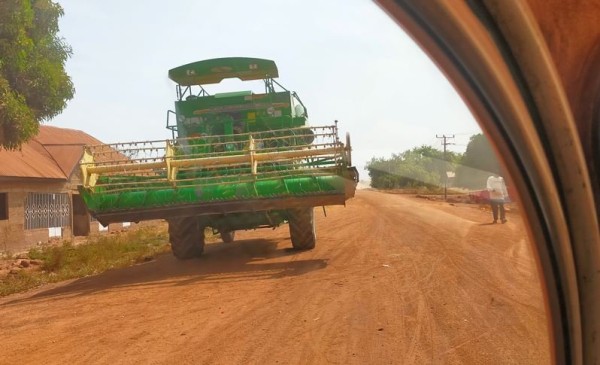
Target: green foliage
{"points": [[98, 255], [423, 166], [478, 163], [34, 86]]}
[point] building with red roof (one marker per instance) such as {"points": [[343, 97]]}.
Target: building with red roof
{"points": [[38, 189]]}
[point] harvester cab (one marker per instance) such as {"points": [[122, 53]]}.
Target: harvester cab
{"points": [[236, 160], [199, 113]]}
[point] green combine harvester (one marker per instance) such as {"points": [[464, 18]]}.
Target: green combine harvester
{"points": [[237, 161]]}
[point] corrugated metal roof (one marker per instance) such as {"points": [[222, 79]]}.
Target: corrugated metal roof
{"points": [[49, 135], [53, 154]]}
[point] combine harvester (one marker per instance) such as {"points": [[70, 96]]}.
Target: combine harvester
{"points": [[237, 161]]}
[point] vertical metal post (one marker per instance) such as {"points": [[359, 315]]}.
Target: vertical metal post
{"points": [[445, 143]]}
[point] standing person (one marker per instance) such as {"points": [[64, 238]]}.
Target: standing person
{"points": [[498, 195]]}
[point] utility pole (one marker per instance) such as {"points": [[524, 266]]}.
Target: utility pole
{"points": [[445, 143]]}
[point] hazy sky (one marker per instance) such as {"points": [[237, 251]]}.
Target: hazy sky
{"points": [[346, 59]]}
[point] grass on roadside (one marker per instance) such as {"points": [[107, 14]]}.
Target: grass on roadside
{"points": [[93, 257]]}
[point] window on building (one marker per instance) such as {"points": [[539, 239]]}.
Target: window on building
{"points": [[44, 210], [3, 206]]}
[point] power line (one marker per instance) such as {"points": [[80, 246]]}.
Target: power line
{"points": [[467, 133]]}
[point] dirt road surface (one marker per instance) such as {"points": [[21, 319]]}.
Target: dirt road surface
{"points": [[393, 280]]}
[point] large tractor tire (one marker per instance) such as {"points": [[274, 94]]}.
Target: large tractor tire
{"points": [[227, 236], [302, 228], [186, 237]]}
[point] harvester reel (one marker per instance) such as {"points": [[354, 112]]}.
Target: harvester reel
{"points": [[308, 136]]}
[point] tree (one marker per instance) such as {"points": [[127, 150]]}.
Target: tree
{"points": [[419, 167], [34, 86], [478, 163]]}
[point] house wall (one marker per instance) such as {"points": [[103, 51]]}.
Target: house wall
{"points": [[15, 238], [13, 235]]}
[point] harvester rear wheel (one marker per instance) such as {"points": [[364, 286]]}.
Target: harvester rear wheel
{"points": [[302, 228], [227, 236], [186, 237]]}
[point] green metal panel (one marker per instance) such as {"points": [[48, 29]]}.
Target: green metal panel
{"points": [[215, 70], [99, 201]]}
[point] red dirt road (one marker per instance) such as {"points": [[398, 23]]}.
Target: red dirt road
{"points": [[393, 280]]}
